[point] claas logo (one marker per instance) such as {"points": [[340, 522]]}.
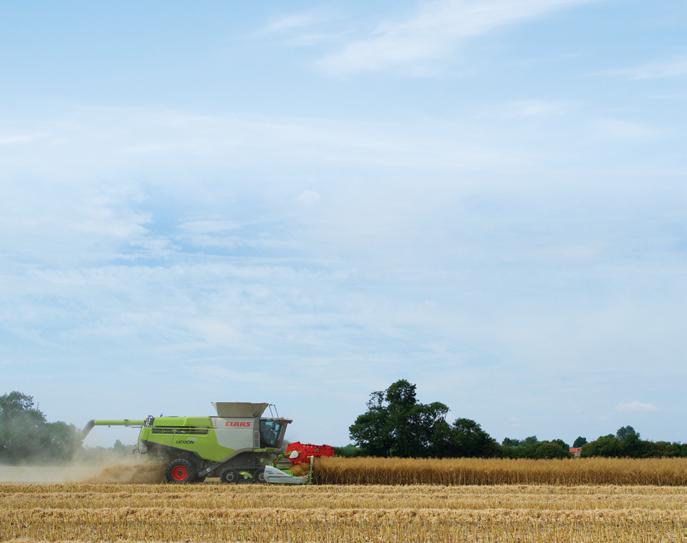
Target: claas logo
{"points": [[238, 424]]}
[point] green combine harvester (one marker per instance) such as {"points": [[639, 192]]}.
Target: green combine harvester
{"points": [[238, 445]]}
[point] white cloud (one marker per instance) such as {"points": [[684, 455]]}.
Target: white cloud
{"points": [[294, 21], [636, 407], [667, 69], [19, 139], [528, 109], [301, 29], [230, 375], [215, 331], [309, 39], [112, 139], [624, 130], [209, 226], [308, 197], [434, 32], [535, 108]]}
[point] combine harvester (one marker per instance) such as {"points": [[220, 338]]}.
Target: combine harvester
{"points": [[239, 445]]}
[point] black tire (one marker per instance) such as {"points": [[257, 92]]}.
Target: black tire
{"points": [[181, 471], [229, 476], [259, 476]]}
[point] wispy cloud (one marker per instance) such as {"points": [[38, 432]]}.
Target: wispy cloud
{"points": [[301, 29], [293, 21], [624, 130], [528, 109], [535, 108], [665, 69], [435, 31], [19, 139], [308, 197], [231, 375], [636, 407], [209, 226]]}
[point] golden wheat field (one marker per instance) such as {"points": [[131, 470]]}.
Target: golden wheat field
{"points": [[495, 471]]}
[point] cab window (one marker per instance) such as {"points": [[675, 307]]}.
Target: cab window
{"points": [[269, 433]]}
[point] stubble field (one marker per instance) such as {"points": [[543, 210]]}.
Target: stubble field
{"points": [[374, 513]]}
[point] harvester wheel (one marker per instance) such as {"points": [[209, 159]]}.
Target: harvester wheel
{"points": [[259, 476], [180, 471], [229, 476]]}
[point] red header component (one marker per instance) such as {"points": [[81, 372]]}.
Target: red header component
{"points": [[238, 424], [306, 450]]}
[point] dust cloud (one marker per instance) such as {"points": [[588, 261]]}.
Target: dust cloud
{"points": [[120, 470], [141, 471]]}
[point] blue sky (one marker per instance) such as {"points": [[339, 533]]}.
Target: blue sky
{"points": [[301, 202]]}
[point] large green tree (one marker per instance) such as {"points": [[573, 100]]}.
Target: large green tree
{"points": [[396, 424]]}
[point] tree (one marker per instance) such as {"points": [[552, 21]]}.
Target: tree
{"points": [[432, 429], [631, 443], [531, 447], [627, 443], [59, 442], [604, 446], [19, 426], [627, 433], [440, 440], [516, 448], [403, 420], [469, 440], [16, 403], [25, 436], [396, 424], [664, 449], [372, 431], [580, 442], [349, 450], [552, 449]]}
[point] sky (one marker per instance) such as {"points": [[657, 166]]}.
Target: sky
{"points": [[299, 203]]}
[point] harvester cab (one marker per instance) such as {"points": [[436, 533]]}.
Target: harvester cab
{"points": [[237, 445]]}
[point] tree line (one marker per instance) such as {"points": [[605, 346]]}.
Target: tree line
{"points": [[397, 424]]}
